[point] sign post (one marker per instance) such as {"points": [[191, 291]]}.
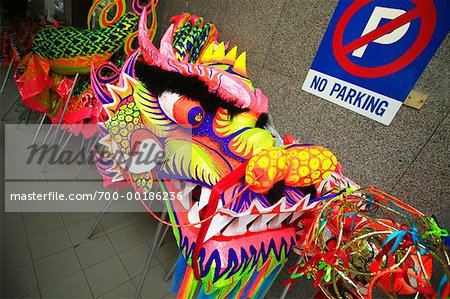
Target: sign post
{"points": [[374, 51]]}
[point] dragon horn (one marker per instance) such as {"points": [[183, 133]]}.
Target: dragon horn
{"points": [[151, 55]]}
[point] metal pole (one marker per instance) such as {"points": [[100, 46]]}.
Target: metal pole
{"points": [[81, 165], [93, 146], [166, 229], [61, 148], [286, 288], [62, 136], [6, 77], [89, 148], [11, 107], [137, 293], [68, 98], [99, 218], [50, 128], [65, 143], [42, 115], [27, 117], [22, 115], [39, 129], [166, 278], [18, 106]]}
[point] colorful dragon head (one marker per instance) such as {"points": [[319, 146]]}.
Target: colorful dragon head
{"points": [[193, 99]]}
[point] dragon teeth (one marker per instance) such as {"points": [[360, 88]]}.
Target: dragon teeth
{"points": [[193, 215], [204, 197], [260, 224], [217, 224], [185, 197], [276, 222], [295, 216], [239, 226], [280, 207], [235, 224]]}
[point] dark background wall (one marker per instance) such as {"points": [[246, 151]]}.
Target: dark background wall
{"points": [[69, 12], [80, 10]]}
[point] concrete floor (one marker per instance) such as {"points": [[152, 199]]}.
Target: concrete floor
{"points": [[409, 159], [45, 255]]}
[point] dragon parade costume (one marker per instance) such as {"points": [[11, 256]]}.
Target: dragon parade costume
{"points": [[256, 198], [46, 75]]}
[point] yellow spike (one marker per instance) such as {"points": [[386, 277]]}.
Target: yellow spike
{"points": [[231, 56], [240, 66], [207, 54], [219, 53]]}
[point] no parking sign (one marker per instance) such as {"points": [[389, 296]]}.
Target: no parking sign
{"points": [[374, 51]]}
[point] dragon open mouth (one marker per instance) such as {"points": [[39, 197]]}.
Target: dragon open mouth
{"points": [[255, 219], [228, 223], [236, 240]]}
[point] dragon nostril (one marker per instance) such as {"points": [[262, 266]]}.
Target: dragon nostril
{"points": [[276, 192]]}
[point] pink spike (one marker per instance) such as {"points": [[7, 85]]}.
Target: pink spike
{"points": [[165, 44], [149, 51]]}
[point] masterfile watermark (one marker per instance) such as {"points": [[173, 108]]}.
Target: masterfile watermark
{"points": [[146, 154], [62, 170], [97, 195]]}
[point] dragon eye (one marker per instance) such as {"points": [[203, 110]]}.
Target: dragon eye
{"points": [[181, 109]]}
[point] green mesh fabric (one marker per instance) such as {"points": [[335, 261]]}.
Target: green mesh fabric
{"points": [[85, 81], [67, 42]]}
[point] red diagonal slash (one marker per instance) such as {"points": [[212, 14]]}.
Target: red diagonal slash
{"points": [[425, 10], [381, 31]]}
